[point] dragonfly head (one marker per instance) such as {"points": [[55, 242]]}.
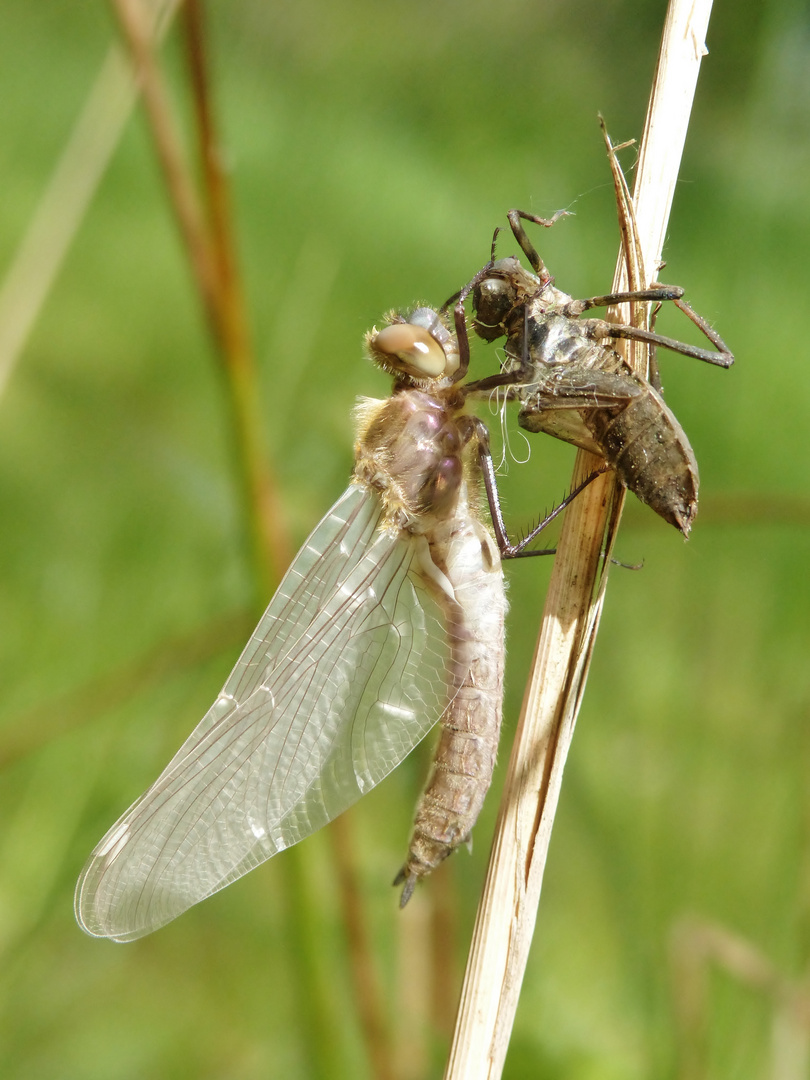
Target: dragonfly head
{"points": [[417, 346]]}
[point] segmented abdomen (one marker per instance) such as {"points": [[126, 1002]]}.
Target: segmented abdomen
{"points": [[465, 756], [647, 447], [414, 449]]}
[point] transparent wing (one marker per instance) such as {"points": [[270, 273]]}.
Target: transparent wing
{"points": [[347, 670]]}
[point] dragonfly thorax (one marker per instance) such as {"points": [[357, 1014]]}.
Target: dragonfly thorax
{"points": [[410, 448]]}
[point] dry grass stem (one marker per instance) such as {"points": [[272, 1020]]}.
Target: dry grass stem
{"points": [[207, 232], [176, 173], [412, 1011], [272, 550], [365, 978], [69, 193], [508, 908]]}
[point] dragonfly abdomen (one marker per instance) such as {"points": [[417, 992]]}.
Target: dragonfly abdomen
{"points": [[465, 756]]}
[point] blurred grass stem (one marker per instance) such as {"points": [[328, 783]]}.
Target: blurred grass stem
{"points": [[70, 191], [508, 908], [367, 991], [696, 946], [267, 520], [207, 235]]}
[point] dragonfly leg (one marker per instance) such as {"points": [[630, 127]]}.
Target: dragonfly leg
{"points": [[521, 373], [460, 319], [707, 330], [507, 549]]}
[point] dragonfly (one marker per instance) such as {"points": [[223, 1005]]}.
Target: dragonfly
{"points": [[573, 385], [390, 618]]}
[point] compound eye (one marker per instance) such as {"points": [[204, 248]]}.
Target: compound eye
{"points": [[410, 349]]}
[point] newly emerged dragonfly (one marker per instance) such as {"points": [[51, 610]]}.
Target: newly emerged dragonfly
{"points": [[573, 385], [390, 618]]}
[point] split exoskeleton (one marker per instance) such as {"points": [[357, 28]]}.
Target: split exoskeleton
{"points": [[572, 384]]}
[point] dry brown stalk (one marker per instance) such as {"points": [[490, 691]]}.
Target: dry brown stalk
{"points": [[508, 908], [365, 976], [272, 549], [207, 232], [176, 173]]}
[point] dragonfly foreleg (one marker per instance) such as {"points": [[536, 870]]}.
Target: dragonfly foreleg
{"points": [[508, 549]]}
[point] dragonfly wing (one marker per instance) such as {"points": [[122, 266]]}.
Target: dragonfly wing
{"points": [[347, 670]]}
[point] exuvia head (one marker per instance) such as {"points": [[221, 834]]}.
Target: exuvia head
{"points": [[502, 294], [494, 297]]}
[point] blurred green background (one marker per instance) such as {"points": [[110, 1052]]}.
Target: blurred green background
{"points": [[373, 148]]}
